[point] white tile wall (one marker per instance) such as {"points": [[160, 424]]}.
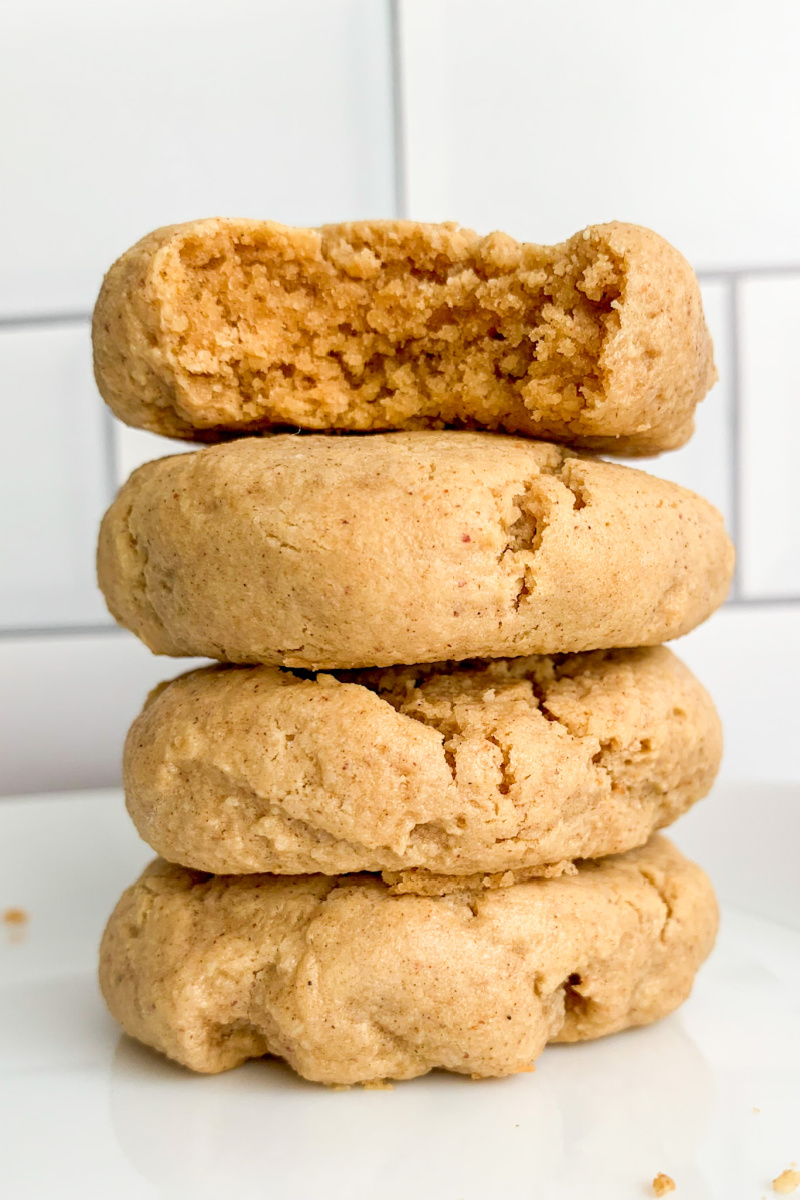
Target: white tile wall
{"points": [[54, 482], [541, 118], [132, 447], [531, 117], [123, 117], [67, 702], [769, 322], [748, 656]]}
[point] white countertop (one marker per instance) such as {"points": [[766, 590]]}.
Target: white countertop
{"points": [[87, 1113]]}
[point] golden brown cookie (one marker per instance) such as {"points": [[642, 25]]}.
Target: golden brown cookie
{"points": [[322, 552], [458, 769], [350, 983], [233, 325]]}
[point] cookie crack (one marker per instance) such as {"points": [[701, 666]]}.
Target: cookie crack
{"points": [[566, 476], [652, 879], [540, 693], [507, 777], [526, 533]]}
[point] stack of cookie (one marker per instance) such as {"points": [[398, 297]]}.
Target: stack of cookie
{"points": [[372, 868]]}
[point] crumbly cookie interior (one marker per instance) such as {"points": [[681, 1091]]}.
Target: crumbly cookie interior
{"points": [[389, 324]]}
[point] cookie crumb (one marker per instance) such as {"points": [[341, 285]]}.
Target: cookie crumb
{"points": [[756, 1109], [15, 916], [378, 1085], [16, 923], [787, 1182], [663, 1184]]}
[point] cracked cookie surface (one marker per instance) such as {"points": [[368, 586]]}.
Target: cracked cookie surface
{"points": [[493, 769], [321, 552], [222, 326], [352, 984]]}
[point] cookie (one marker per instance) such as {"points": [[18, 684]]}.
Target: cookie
{"points": [[325, 552], [473, 768], [230, 325], [351, 984]]}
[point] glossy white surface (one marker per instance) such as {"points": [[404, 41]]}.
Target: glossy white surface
{"points": [[86, 1113]]}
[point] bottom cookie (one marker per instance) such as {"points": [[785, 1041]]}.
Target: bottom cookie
{"points": [[351, 983]]}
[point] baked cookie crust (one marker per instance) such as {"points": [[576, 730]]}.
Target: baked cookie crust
{"points": [[352, 984], [321, 552], [492, 769], [232, 326]]}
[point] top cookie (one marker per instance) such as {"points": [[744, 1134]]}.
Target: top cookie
{"points": [[223, 326]]}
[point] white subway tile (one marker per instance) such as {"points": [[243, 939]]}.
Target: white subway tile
{"points": [[136, 446], [55, 481], [66, 704], [745, 836], [748, 656], [769, 319], [124, 117], [542, 118]]}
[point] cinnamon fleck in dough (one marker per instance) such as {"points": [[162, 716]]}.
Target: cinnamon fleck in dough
{"points": [[321, 552], [351, 984], [222, 326], [493, 770]]}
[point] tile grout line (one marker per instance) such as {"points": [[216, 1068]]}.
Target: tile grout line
{"points": [[22, 633], [719, 274], [398, 118], [762, 601], [34, 320]]}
